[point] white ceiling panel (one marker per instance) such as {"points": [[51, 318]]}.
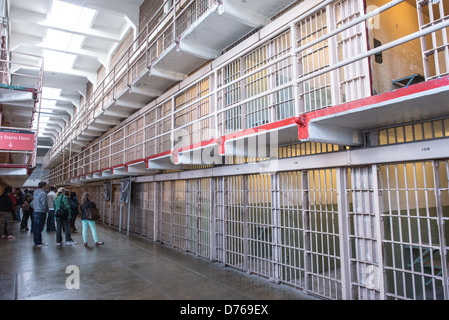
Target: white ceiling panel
{"points": [[75, 37]]}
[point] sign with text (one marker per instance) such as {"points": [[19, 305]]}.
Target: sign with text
{"points": [[17, 140]]}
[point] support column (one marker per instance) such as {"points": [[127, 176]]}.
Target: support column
{"points": [[306, 227], [441, 228], [276, 221], [212, 217], [345, 253], [245, 222], [379, 227]]}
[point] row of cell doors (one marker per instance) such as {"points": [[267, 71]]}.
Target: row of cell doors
{"points": [[372, 232], [397, 237]]}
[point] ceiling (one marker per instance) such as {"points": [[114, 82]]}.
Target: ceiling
{"points": [[75, 38]]}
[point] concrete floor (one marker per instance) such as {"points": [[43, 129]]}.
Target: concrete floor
{"points": [[126, 267]]}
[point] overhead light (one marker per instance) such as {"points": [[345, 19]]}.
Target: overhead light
{"points": [[57, 61], [70, 17]]}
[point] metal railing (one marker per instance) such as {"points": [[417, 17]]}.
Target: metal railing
{"points": [[11, 78], [156, 37], [287, 75]]}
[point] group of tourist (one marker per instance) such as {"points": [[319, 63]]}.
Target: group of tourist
{"points": [[40, 207]]}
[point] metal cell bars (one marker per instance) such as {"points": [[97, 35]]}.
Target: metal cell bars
{"points": [[190, 14], [411, 231], [180, 203], [291, 228], [323, 265], [306, 148], [193, 115], [364, 237], [198, 216], [283, 74], [230, 121], [414, 132], [279, 104], [316, 92], [260, 226], [443, 171], [235, 221], [255, 112], [149, 207], [114, 212], [353, 78], [117, 147], [219, 219], [134, 141], [257, 88], [158, 122], [165, 222], [151, 132], [141, 214], [435, 46]]}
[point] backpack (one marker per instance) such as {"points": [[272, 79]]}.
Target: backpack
{"points": [[61, 213]]}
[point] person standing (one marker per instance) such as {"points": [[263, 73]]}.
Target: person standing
{"points": [[13, 198], [61, 201], [19, 201], [51, 210], [85, 204], [74, 205], [40, 206], [27, 211], [6, 206]]}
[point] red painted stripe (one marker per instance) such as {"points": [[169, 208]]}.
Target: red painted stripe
{"points": [[159, 155], [135, 161], [302, 122], [372, 100], [262, 128], [196, 145]]}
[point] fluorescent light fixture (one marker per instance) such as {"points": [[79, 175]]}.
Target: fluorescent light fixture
{"points": [[70, 17], [58, 61], [63, 41], [67, 23]]}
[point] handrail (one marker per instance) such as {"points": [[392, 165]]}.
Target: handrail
{"points": [[125, 70], [35, 89], [216, 89]]}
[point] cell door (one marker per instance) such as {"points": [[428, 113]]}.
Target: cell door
{"points": [[353, 79], [443, 204], [322, 235], [364, 235], [414, 197], [435, 46]]}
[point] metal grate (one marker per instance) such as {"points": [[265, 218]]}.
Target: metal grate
{"points": [[363, 235], [412, 231], [235, 237], [291, 228], [260, 225], [322, 235], [435, 46]]}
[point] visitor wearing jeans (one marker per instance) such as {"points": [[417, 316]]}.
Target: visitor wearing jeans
{"points": [[51, 210], [85, 204], [6, 206], [61, 201], [40, 206]]}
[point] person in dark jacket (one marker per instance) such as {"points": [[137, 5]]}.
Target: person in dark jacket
{"points": [[6, 208], [74, 206], [61, 200], [19, 201], [85, 204], [27, 211], [40, 207]]}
